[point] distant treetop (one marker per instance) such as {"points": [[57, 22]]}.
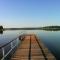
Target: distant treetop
{"points": [[1, 27]]}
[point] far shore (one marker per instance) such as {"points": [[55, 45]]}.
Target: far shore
{"points": [[48, 28]]}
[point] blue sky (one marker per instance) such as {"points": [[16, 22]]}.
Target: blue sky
{"points": [[29, 13]]}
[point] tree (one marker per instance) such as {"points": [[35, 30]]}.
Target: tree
{"points": [[1, 27]]}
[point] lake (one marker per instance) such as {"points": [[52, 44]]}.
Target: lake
{"points": [[51, 39]]}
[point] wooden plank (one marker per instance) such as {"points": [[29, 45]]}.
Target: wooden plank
{"points": [[36, 53], [32, 49], [47, 53], [23, 50]]}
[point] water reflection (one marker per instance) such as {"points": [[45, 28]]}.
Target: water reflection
{"points": [[52, 41], [50, 38], [1, 32]]}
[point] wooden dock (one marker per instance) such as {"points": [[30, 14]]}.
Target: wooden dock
{"points": [[31, 48]]}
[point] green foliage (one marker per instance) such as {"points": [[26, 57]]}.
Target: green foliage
{"points": [[52, 28], [1, 28]]}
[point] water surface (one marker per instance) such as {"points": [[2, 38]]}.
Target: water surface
{"points": [[50, 38]]}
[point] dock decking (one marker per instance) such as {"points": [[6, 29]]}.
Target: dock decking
{"points": [[32, 49]]}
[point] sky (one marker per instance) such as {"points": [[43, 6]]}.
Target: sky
{"points": [[29, 13]]}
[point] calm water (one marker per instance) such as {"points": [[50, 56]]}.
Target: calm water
{"points": [[50, 38]]}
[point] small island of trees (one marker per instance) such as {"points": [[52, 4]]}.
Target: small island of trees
{"points": [[1, 29], [51, 28]]}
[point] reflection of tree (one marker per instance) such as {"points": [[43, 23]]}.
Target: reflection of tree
{"points": [[1, 32]]}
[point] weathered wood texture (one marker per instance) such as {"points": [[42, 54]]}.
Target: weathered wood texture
{"points": [[32, 49]]}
